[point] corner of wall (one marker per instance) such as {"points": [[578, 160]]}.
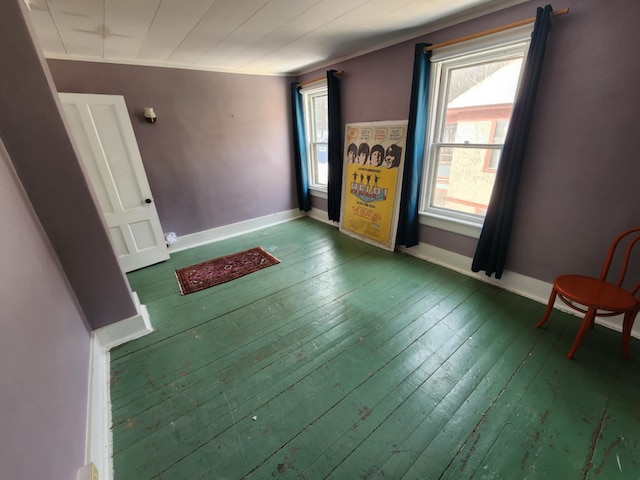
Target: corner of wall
{"points": [[321, 216], [125, 330]]}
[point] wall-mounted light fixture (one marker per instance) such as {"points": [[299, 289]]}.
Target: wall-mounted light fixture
{"points": [[149, 114]]}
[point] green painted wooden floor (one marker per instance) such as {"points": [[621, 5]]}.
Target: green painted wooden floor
{"points": [[349, 362]]}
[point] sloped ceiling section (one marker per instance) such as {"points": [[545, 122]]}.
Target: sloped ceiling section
{"points": [[268, 37]]}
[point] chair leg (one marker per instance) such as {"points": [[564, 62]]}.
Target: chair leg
{"points": [[627, 325], [547, 312], [586, 324]]}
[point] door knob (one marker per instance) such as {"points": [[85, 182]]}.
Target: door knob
{"points": [[147, 200]]}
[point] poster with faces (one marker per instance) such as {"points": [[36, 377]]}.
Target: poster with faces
{"points": [[373, 167]]}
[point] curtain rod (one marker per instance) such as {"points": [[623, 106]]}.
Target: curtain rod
{"points": [[555, 13], [339, 72]]}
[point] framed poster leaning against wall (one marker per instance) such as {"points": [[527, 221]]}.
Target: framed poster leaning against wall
{"points": [[372, 181]]}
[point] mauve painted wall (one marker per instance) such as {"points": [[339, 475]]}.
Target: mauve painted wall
{"points": [[39, 146], [44, 348], [220, 152], [580, 184]]}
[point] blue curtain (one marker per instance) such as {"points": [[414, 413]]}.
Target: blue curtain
{"points": [[408, 226], [334, 183], [300, 149], [493, 243]]}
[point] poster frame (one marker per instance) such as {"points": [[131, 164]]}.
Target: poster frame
{"points": [[347, 219]]}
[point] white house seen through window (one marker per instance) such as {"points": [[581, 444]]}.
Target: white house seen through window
{"points": [[316, 116], [471, 101]]}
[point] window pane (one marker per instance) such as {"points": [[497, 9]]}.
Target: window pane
{"points": [[317, 129], [322, 163], [479, 97], [498, 138], [321, 119], [463, 180], [469, 122]]}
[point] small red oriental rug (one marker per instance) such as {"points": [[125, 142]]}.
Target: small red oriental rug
{"points": [[223, 269]]}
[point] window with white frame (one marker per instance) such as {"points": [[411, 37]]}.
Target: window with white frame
{"points": [[316, 119], [472, 90]]}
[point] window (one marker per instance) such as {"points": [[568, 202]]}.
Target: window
{"points": [[316, 117], [471, 100], [499, 128]]}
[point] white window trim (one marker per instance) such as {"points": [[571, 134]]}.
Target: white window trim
{"points": [[319, 191], [315, 189], [505, 42]]}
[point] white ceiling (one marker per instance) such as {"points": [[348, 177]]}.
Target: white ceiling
{"points": [[244, 36]]}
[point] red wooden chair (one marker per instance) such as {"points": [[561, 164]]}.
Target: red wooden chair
{"points": [[596, 297]]}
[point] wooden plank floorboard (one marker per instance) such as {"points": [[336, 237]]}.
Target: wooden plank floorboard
{"points": [[504, 405], [349, 368], [582, 393], [437, 402], [306, 242], [276, 239], [237, 329], [355, 336], [318, 328], [615, 454], [174, 313], [163, 283], [361, 363], [543, 424], [355, 410], [383, 394]]}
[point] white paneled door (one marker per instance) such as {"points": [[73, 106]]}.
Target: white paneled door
{"points": [[107, 145]]}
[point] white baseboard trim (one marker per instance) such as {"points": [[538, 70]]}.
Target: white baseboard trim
{"points": [[321, 216], [528, 287], [127, 329], [227, 231], [99, 447]]}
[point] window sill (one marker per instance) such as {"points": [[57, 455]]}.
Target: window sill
{"points": [[320, 192], [461, 227]]}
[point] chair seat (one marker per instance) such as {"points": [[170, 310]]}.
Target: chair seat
{"points": [[593, 292], [595, 297]]}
